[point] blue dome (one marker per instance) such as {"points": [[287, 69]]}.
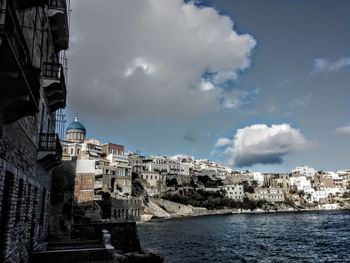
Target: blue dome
{"points": [[76, 125]]}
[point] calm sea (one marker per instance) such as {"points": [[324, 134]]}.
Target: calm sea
{"points": [[285, 237]]}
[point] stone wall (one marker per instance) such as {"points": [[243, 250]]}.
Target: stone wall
{"points": [[62, 201], [126, 209], [124, 235], [24, 210], [24, 190], [153, 183], [24, 182]]}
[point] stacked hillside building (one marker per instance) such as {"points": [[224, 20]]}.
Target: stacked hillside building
{"points": [[33, 37], [100, 171]]}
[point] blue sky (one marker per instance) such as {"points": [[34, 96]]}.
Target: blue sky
{"points": [[269, 78]]}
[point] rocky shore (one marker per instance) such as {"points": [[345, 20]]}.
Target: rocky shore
{"points": [[158, 208]]}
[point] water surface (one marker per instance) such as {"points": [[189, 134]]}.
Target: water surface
{"points": [[273, 237]]}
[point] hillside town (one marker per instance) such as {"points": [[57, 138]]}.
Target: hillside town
{"points": [[65, 197], [133, 184]]}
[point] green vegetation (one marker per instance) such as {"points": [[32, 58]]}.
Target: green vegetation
{"points": [[208, 182], [212, 200], [346, 195]]}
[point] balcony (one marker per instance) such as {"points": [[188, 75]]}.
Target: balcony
{"points": [[55, 85], [20, 81], [50, 150], [59, 24], [25, 4]]}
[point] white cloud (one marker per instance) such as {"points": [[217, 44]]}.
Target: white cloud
{"points": [[223, 142], [323, 65], [206, 85], [262, 144], [147, 58], [344, 130], [139, 64]]}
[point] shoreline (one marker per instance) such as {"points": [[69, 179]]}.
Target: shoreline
{"points": [[221, 212]]}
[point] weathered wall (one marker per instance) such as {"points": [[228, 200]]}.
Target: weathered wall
{"points": [[24, 208], [60, 222], [126, 209], [84, 186], [124, 235], [24, 182], [153, 183]]}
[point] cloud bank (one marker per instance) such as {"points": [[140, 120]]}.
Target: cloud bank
{"points": [[147, 58], [343, 130], [325, 66], [261, 144]]}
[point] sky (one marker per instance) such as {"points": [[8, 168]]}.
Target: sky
{"points": [[254, 85]]}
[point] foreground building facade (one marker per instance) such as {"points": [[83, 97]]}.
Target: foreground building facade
{"points": [[33, 37]]}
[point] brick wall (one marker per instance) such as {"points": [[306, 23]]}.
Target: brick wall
{"points": [[84, 187], [24, 208]]}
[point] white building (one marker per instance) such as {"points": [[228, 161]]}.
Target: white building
{"points": [[153, 183], [234, 192], [302, 183], [258, 177], [269, 194], [304, 170]]}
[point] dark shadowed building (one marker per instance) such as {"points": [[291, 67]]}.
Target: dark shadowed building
{"points": [[33, 37]]}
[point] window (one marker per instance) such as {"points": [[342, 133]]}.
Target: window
{"points": [[71, 151], [78, 151], [29, 192], [43, 207], [112, 184], [6, 206], [19, 201]]}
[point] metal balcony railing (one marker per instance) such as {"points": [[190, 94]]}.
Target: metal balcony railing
{"points": [[9, 26], [52, 70], [58, 4], [12, 38], [24, 4], [49, 142]]}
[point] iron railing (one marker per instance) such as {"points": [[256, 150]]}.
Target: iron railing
{"points": [[11, 32], [9, 26], [58, 4], [52, 70], [60, 122], [24, 4], [49, 142]]}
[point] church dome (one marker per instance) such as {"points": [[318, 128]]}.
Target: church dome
{"points": [[76, 125], [76, 131]]}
